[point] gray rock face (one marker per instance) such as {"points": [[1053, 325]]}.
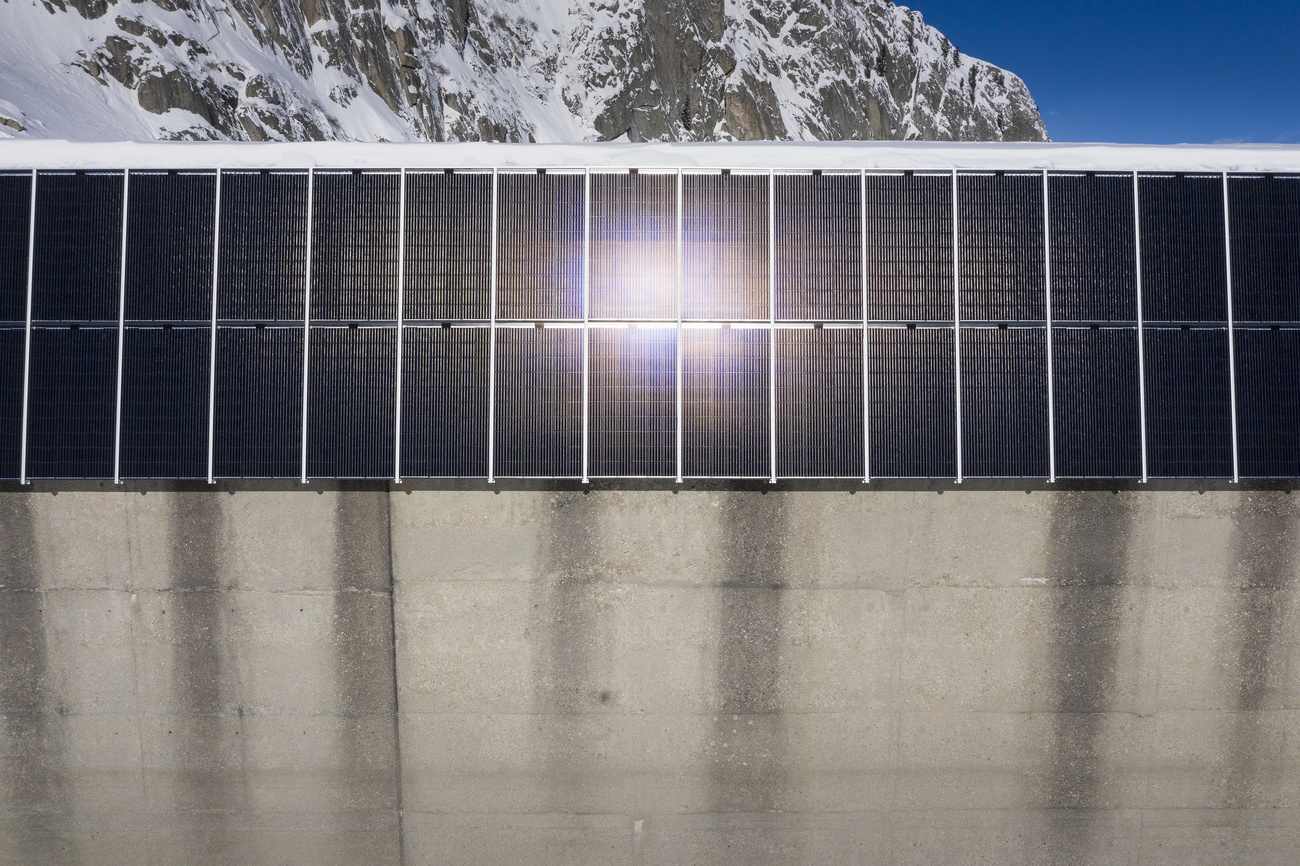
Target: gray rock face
{"points": [[636, 70]]}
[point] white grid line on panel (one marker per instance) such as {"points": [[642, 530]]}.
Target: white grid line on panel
{"points": [[1047, 294], [212, 349], [121, 329], [866, 345], [27, 337], [586, 313], [306, 324], [956, 317], [1232, 343], [681, 279], [1142, 374], [771, 318], [492, 340], [401, 301]]}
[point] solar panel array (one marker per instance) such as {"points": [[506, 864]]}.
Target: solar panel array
{"points": [[656, 324]]}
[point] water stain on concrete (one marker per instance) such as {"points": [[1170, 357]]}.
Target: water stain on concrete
{"points": [[1088, 556], [1264, 551], [569, 685], [36, 811], [367, 810], [209, 796], [748, 773]]}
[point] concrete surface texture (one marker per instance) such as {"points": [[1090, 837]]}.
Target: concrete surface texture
{"points": [[320, 675]]}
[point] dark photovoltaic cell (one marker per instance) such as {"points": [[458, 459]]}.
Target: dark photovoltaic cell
{"points": [[1002, 265], [819, 247], [1184, 272], [819, 425], [909, 248], [1268, 402], [1004, 402], [12, 341], [725, 246], [912, 402], [1098, 412], [1265, 216], [633, 246], [539, 237], [633, 402], [448, 246], [1189, 413], [725, 403], [352, 395], [165, 386], [263, 254], [1094, 250], [169, 247], [72, 403], [354, 246], [78, 257], [15, 218], [445, 402], [539, 402], [258, 417]]}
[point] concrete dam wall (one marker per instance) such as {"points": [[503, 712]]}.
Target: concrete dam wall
{"points": [[403, 674]]}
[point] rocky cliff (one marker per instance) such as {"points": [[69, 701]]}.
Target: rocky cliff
{"points": [[548, 70]]}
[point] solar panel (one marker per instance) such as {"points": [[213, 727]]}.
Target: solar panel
{"points": [[1004, 402], [1265, 215], [912, 402], [1093, 248], [1097, 402], [818, 247], [1268, 402], [165, 385], [445, 402], [819, 421], [258, 414], [78, 256], [1189, 415], [725, 247], [1001, 248], [354, 246], [15, 220], [1184, 269], [908, 263], [725, 403], [539, 402], [540, 242], [351, 386], [169, 246], [633, 246], [448, 246], [263, 253], [633, 402], [72, 402], [12, 341]]}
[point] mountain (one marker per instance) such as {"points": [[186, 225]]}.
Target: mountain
{"points": [[465, 70]]}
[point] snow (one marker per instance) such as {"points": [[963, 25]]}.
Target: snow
{"points": [[877, 156]]}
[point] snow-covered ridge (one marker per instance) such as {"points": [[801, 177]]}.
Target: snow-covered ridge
{"points": [[922, 156], [498, 70]]}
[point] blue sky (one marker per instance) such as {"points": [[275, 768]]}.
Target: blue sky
{"points": [[1156, 73]]}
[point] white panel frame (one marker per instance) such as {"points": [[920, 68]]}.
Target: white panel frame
{"points": [[771, 326], [492, 339], [121, 328], [27, 338], [212, 350], [1047, 294], [956, 315], [1141, 337], [1232, 342], [306, 323], [401, 311]]}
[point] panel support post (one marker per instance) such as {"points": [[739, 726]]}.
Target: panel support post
{"points": [[956, 316], [212, 348], [681, 291], [492, 341], [1232, 343], [771, 326], [121, 329], [306, 323], [1047, 297], [866, 333], [27, 336], [586, 318], [401, 302], [1142, 370]]}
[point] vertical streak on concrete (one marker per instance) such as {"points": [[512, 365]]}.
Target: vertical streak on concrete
{"points": [[35, 820], [1088, 557], [367, 819], [206, 728], [568, 689], [1263, 547], [748, 774]]}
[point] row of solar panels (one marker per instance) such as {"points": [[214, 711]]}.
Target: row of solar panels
{"points": [[115, 361]]}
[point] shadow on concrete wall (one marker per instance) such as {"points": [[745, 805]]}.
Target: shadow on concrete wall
{"points": [[36, 797], [1088, 550]]}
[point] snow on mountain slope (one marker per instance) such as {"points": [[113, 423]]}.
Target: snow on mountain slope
{"points": [[502, 70]]}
